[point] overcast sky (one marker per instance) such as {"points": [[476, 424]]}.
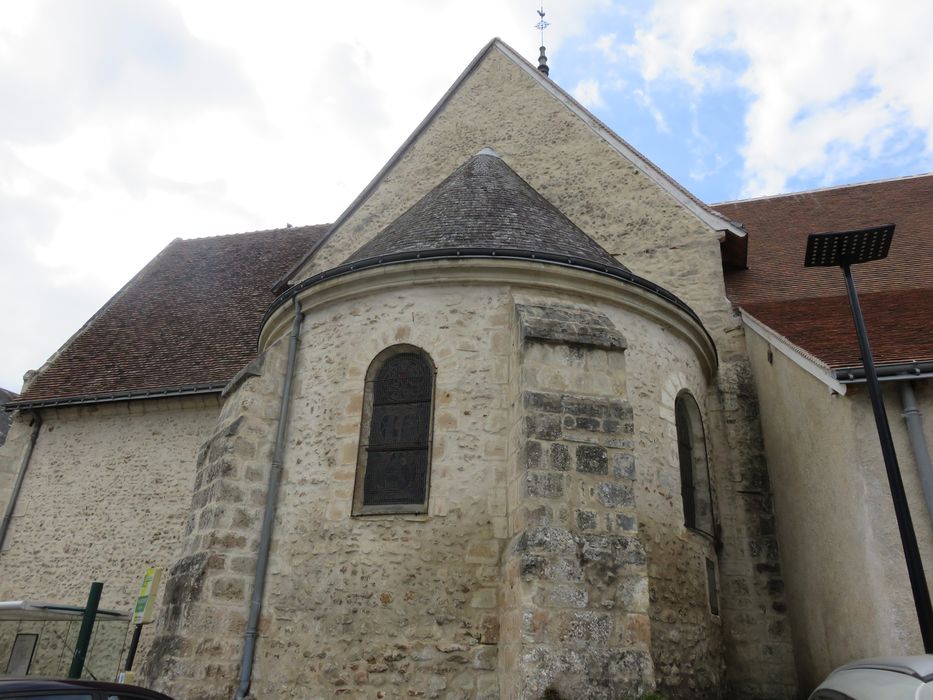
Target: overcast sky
{"points": [[125, 124]]}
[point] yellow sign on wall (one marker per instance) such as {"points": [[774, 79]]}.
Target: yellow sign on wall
{"points": [[145, 603]]}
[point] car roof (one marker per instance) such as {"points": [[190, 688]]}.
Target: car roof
{"points": [[30, 684], [919, 667]]}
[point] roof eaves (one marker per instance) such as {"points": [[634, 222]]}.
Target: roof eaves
{"points": [[796, 354], [886, 371], [110, 397]]}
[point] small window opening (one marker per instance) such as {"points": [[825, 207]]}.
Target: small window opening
{"points": [[696, 489], [20, 661]]}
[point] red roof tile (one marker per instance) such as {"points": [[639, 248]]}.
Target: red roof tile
{"points": [[898, 322], [190, 317], [808, 305]]}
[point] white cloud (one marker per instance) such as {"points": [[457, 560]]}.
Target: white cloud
{"points": [[127, 124], [829, 81], [587, 92], [606, 45], [645, 100]]}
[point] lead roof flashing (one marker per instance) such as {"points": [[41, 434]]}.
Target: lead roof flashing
{"points": [[614, 271]]}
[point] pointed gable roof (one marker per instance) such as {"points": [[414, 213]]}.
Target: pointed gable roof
{"points": [[484, 204], [733, 236]]}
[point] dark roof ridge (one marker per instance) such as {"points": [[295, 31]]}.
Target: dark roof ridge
{"points": [[828, 188], [302, 227]]}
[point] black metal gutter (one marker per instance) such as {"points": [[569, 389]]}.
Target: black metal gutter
{"points": [[268, 513], [618, 273], [184, 390], [894, 371]]}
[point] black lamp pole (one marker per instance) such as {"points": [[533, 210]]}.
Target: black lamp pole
{"points": [[846, 249]]}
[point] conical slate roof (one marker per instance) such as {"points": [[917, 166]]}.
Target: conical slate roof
{"points": [[484, 204]]}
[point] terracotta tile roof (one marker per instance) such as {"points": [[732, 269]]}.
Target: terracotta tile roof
{"points": [[190, 317], [484, 204], [899, 324], [808, 305]]}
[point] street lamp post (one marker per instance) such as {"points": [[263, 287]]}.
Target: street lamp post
{"points": [[845, 249]]}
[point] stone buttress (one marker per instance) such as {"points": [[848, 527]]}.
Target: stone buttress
{"points": [[575, 589]]}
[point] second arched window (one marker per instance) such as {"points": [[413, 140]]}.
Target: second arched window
{"points": [[696, 489]]}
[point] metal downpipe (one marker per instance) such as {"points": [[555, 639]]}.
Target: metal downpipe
{"points": [[18, 485], [918, 444], [268, 516]]}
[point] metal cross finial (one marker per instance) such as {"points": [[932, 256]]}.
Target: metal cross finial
{"points": [[542, 25]]}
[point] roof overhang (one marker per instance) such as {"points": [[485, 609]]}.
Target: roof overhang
{"points": [[733, 249]]}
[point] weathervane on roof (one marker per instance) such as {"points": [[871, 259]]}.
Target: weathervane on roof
{"points": [[542, 25]]}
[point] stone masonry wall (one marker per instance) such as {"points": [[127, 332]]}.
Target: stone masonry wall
{"points": [[391, 606], [498, 105], [686, 633], [538, 564], [105, 496], [198, 637], [55, 642], [12, 453], [408, 604], [576, 590], [754, 609]]}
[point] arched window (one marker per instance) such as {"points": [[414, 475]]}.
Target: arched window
{"points": [[694, 469], [394, 460]]}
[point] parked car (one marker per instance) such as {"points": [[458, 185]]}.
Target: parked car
{"points": [[892, 678], [39, 689]]}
